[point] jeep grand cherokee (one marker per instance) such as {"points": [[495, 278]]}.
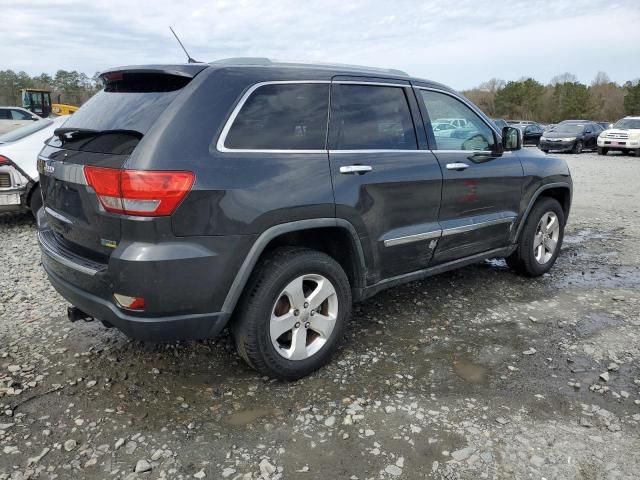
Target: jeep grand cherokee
{"points": [[268, 196]]}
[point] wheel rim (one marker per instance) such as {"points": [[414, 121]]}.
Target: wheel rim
{"points": [[303, 317], [545, 241]]}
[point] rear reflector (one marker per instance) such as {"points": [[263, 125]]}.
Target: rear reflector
{"points": [[129, 303], [145, 193], [4, 160]]}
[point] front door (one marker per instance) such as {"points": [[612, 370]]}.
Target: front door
{"points": [[481, 188], [386, 182]]}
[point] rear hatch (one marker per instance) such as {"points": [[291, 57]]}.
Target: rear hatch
{"points": [[103, 133]]}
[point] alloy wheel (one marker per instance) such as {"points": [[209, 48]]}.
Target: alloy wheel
{"points": [[546, 238], [303, 317]]}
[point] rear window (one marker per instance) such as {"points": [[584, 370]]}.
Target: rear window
{"points": [[366, 117], [123, 111], [282, 117]]}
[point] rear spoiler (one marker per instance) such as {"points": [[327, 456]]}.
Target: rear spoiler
{"points": [[184, 70]]}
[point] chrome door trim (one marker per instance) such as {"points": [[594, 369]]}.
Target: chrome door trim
{"points": [[229, 123], [475, 226], [418, 237], [376, 84]]}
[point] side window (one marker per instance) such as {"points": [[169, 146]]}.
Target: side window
{"points": [[588, 129], [20, 115], [5, 114], [370, 117], [282, 117], [474, 135]]}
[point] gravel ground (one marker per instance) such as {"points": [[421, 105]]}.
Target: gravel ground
{"points": [[476, 373]]}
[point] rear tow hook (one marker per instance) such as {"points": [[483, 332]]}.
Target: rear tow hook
{"points": [[74, 314]]}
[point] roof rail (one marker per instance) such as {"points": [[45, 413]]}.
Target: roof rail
{"points": [[263, 61]]}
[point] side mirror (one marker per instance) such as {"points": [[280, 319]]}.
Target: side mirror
{"points": [[511, 139], [34, 118]]}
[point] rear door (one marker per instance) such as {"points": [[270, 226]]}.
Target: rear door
{"points": [[386, 181], [103, 133], [481, 187]]}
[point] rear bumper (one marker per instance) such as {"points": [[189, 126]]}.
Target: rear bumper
{"points": [[170, 328]]}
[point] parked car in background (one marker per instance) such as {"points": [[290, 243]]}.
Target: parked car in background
{"points": [[442, 129], [571, 136], [15, 117], [165, 214], [19, 179], [605, 125], [456, 122], [515, 123], [531, 133], [500, 123], [623, 137]]}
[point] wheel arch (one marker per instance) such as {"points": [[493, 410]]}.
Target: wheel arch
{"points": [[346, 249], [560, 191]]}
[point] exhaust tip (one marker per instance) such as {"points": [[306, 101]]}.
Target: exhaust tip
{"points": [[74, 314]]}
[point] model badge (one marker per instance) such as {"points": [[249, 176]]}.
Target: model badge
{"points": [[49, 168]]}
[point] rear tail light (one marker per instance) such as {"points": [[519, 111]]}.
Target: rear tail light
{"points": [[4, 160], [139, 192]]}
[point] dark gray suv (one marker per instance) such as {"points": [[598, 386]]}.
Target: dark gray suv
{"points": [[269, 196]]}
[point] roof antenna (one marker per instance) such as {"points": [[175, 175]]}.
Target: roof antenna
{"points": [[189, 59]]}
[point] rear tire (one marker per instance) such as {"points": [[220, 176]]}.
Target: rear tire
{"points": [[540, 240], [35, 201], [545, 150], [577, 147], [281, 330], [602, 151]]}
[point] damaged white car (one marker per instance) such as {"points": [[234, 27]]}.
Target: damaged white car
{"points": [[19, 179]]}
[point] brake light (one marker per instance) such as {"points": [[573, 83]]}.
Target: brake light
{"points": [[145, 193], [4, 160]]}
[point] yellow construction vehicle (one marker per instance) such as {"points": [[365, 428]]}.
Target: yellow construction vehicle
{"points": [[38, 101]]}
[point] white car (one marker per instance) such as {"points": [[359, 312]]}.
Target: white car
{"points": [[15, 117], [623, 137], [19, 179]]}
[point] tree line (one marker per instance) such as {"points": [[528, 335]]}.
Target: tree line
{"points": [[563, 98], [72, 88]]}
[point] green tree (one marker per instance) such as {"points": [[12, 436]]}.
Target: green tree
{"points": [[632, 98], [521, 99], [571, 100]]}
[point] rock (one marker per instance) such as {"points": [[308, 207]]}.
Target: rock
{"points": [[531, 351], [36, 459], [6, 426], [462, 454], [604, 376], [227, 472], [130, 447], [389, 409], [400, 462], [613, 367], [330, 421], [91, 383], [393, 470], [155, 371], [199, 474], [584, 422], [69, 445], [502, 420], [118, 443], [13, 368], [266, 468], [486, 457], [142, 466], [157, 455], [369, 433], [536, 461]]}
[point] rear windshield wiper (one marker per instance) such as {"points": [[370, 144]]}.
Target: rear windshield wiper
{"points": [[79, 133]]}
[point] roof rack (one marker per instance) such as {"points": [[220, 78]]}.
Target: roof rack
{"points": [[263, 61]]}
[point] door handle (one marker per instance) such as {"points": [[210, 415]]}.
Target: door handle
{"points": [[359, 169], [457, 166]]}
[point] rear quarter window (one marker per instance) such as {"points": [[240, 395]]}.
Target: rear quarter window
{"points": [[281, 117]]}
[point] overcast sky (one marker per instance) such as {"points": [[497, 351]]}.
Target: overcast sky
{"points": [[460, 43]]}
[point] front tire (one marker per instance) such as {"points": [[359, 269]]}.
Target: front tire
{"points": [[293, 313], [540, 240], [602, 151], [577, 147]]}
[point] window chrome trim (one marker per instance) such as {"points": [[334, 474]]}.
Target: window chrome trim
{"points": [[373, 150], [392, 242], [227, 126], [375, 84], [475, 109], [475, 226]]}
